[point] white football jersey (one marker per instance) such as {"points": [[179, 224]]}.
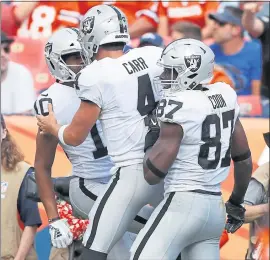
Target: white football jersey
{"points": [[207, 118], [89, 160], [123, 88]]}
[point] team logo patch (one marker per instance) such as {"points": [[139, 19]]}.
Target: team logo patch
{"points": [[48, 49], [88, 25], [193, 62]]}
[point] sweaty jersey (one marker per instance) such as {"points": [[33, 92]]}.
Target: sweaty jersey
{"points": [[89, 160], [123, 88], [207, 118]]}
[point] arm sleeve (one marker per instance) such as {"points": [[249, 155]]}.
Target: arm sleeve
{"points": [[254, 194], [27, 208]]}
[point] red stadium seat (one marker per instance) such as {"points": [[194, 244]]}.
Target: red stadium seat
{"points": [[29, 52]]}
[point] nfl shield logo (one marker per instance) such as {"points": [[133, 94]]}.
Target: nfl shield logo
{"points": [[193, 62], [88, 25]]}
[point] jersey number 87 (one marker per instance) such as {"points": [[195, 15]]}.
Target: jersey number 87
{"points": [[209, 142]]}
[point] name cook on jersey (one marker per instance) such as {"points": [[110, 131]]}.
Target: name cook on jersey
{"points": [[135, 65], [217, 101]]}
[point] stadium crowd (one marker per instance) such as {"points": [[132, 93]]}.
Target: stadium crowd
{"points": [[239, 58], [237, 32]]}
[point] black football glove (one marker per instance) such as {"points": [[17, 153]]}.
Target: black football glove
{"points": [[236, 216], [153, 130]]}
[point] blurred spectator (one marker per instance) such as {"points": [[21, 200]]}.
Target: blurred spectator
{"points": [[259, 28], [186, 30], [263, 12], [151, 39], [190, 30], [257, 204], [241, 58], [13, 15], [170, 12], [15, 243], [17, 86], [224, 4], [48, 16]]}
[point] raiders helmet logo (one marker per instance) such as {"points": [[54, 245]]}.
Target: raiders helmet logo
{"points": [[123, 24], [193, 62], [48, 49], [88, 25]]}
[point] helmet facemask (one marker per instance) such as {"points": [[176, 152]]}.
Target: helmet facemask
{"points": [[186, 65], [89, 49], [63, 71], [170, 79]]}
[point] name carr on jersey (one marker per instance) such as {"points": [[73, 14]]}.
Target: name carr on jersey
{"points": [[135, 65]]}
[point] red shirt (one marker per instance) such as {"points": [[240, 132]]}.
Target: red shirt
{"points": [[132, 9], [8, 21], [194, 11], [49, 16]]}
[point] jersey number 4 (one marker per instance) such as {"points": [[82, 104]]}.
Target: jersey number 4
{"points": [[101, 150], [209, 142], [146, 99]]}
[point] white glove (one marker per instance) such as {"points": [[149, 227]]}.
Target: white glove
{"points": [[61, 235]]}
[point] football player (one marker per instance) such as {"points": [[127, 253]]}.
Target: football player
{"points": [[90, 160], [200, 133], [117, 89]]}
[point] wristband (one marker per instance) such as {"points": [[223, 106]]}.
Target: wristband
{"points": [[61, 134], [235, 202]]}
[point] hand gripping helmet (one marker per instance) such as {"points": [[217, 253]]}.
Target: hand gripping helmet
{"points": [[62, 42], [186, 63], [102, 24]]}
